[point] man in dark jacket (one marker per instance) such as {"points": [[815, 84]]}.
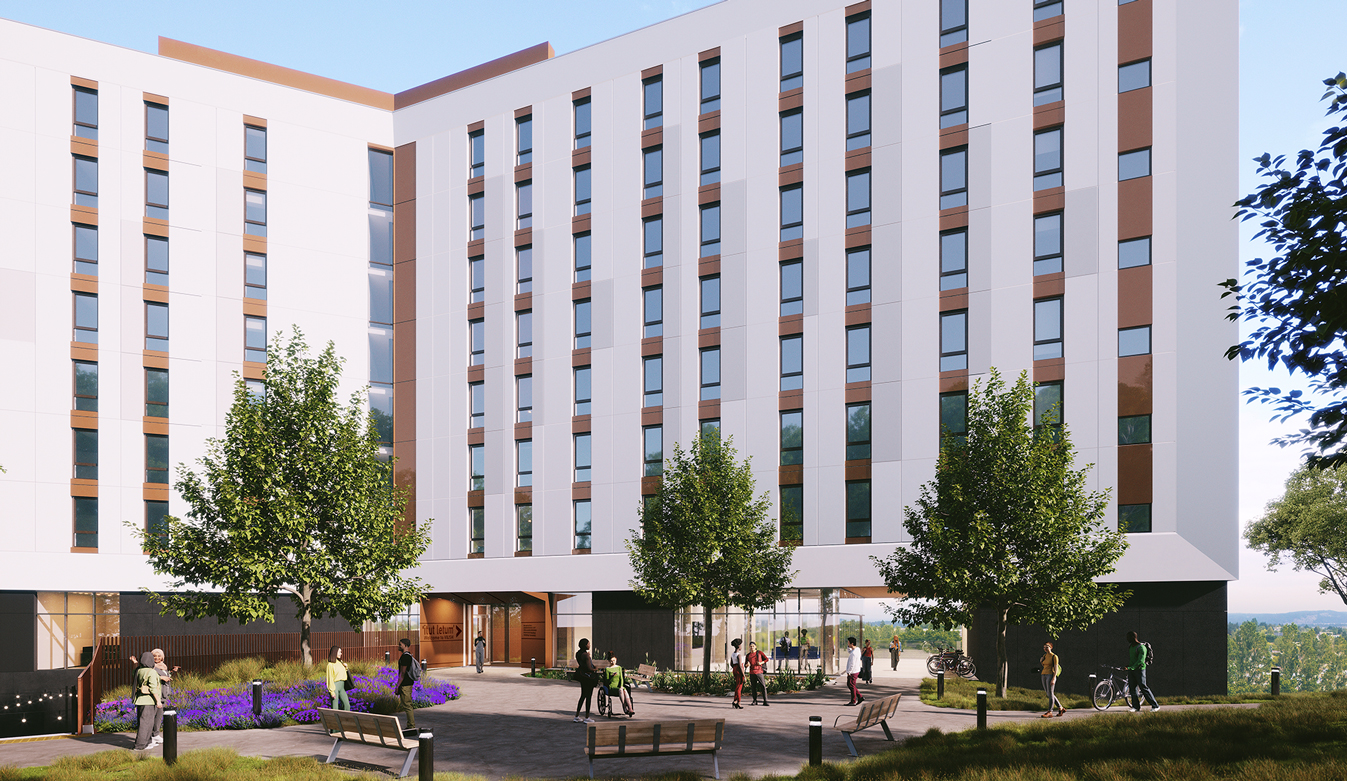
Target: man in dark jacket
{"points": [[405, 681]]}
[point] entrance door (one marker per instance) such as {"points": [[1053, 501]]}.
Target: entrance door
{"points": [[480, 623], [505, 642]]}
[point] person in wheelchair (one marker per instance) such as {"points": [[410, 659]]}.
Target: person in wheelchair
{"points": [[616, 685]]}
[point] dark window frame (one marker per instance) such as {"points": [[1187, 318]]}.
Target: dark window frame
{"points": [[652, 255], [523, 135], [648, 393], [523, 329], [251, 287], [83, 196], [791, 155], [792, 380], [584, 331], [154, 143], [583, 540], [1047, 9], [957, 32], [84, 333], [1046, 92], [954, 360], [84, 126], [652, 174], [476, 530], [858, 138], [1049, 176], [155, 474], [477, 479], [523, 395], [476, 279], [710, 173], [583, 130], [953, 277], [523, 463], [791, 443], [652, 467], [859, 214], [709, 102], [523, 514], [584, 457], [860, 60], [858, 447], [710, 388], [523, 263], [584, 272], [251, 162], [793, 79], [1048, 262], [859, 525], [793, 229], [476, 353], [476, 212], [953, 115], [791, 304], [153, 208], [1051, 346], [253, 226], [523, 198], [858, 261], [250, 351], [791, 498], [583, 402], [652, 86], [709, 312], [83, 399], [84, 450], [153, 407], [954, 197], [710, 245], [653, 321], [476, 154], [86, 263], [155, 340], [477, 404], [860, 371], [584, 189]]}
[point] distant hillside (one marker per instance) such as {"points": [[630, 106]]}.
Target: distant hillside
{"points": [[1299, 617]]}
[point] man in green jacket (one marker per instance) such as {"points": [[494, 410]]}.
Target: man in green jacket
{"points": [[148, 699], [1136, 674]]}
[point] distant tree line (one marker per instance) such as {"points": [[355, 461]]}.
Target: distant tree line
{"points": [[1312, 659], [916, 638]]}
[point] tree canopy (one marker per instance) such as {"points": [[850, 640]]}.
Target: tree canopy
{"points": [[1306, 526], [1007, 525], [295, 500], [1297, 300], [705, 540]]}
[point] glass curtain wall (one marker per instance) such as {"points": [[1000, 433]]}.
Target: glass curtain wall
{"points": [[811, 618], [575, 619]]}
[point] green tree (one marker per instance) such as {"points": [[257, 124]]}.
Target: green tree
{"points": [[1305, 525], [1007, 525], [1298, 299], [704, 540], [1249, 660], [294, 499]]}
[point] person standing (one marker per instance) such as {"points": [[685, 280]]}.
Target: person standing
{"points": [[588, 675], [804, 650], [148, 700], [868, 663], [1138, 657], [1051, 668], [165, 675], [895, 651], [479, 649], [408, 672], [337, 678], [757, 669], [853, 670], [783, 651], [737, 665]]}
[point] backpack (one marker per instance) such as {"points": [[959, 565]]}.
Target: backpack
{"points": [[1150, 654], [414, 672]]}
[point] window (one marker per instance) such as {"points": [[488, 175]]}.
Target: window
{"points": [[710, 151], [1047, 404], [86, 249], [1048, 159], [380, 353], [380, 179], [953, 22], [476, 154], [255, 344], [1134, 518], [476, 467], [652, 373], [792, 362], [86, 526], [858, 199], [710, 304], [954, 97], [523, 398], [858, 121], [583, 390], [792, 513], [524, 332], [858, 431], [954, 178], [381, 409], [476, 530], [654, 311], [156, 393], [954, 417], [583, 256], [524, 462], [476, 216], [1048, 243], [582, 123], [86, 454], [654, 172], [1046, 9], [792, 137], [710, 230], [652, 91], [1047, 328], [86, 318], [1134, 165], [652, 448], [1134, 252], [858, 509], [792, 62], [86, 386], [156, 459], [583, 524], [86, 182], [954, 260], [652, 232], [1134, 341], [477, 342], [86, 113], [1134, 430], [858, 43], [954, 341], [1048, 74], [792, 438], [255, 149], [380, 234], [523, 263], [710, 85], [255, 212], [257, 389], [524, 526], [156, 266], [858, 354], [792, 288], [792, 213], [710, 428], [156, 128], [583, 458], [476, 279], [583, 190], [710, 374], [156, 194], [476, 404], [1134, 75], [156, 326], [156, 521], [524, 139], [582, 324], [524, 204]]}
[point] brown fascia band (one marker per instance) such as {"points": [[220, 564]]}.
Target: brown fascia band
{"points": [[464, 78]]}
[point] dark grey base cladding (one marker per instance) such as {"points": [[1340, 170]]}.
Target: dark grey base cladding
{"points": [[1185, 622], [633, 629]]}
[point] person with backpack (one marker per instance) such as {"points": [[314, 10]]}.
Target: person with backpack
{"points": [[1051, 669], [409, 672], [1138, 656]]}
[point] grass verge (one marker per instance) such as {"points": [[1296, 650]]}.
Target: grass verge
{"points": [[960, 693]]}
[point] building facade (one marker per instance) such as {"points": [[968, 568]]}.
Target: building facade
{"points": [[807, 225]]}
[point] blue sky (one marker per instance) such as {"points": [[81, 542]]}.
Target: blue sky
{"points": [[1287, 48]]}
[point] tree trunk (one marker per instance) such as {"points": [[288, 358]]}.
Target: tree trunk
{"points": [[706, 647], [1002, 666], [305, 624]]}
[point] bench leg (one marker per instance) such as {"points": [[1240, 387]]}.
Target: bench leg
{"points": [[336, 746], [887, 733], [715, 763], [591, 767], [407, 765], [850, 746]]}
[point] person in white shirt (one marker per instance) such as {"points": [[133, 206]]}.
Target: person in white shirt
{"points": [[853, 670], [737, 665]]}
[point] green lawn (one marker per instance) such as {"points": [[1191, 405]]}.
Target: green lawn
{"points": [[960, 693]]}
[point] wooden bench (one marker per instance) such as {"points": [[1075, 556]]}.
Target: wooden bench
{"points": [[643, 675], [655, 739], [370, 729], [871, 713]]}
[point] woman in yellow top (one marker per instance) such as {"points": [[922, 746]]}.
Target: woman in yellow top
{"points": [[1051, 669], [336, 679], [614, 679]]}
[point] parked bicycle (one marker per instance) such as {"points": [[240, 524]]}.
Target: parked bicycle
{"points": [[1111, 689], [952, 661]]}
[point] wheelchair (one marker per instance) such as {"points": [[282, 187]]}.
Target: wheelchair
{"points": [[610, 705]]}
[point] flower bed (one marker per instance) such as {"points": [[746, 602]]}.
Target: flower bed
{"points": [[231, 707]]}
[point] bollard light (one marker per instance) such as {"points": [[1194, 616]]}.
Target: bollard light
{"points": [[425, 756], [423, 665], [982, 708], [387, 657], [257, 698], [940, 685], [1276, 681], [534, 672], [170, 737], [815, 740]]}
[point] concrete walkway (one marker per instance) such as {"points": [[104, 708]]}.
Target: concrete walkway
{"points": [[507, 725]]}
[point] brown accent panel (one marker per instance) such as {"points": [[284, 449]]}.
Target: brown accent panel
{"points": [[523, 495], [708, 266], [381, 147], [404, 416], [477, 498], [477, 73], [526, 111], [650, 73], [652, 345], [789, 475], [159, 295], [581, 290], [256, 244], [1049, 115], [476, 247], [581, 423], [857, 237], [154, 426], [1134, 296], [523, 302], [708, 193], [477, 310], [953, 375], [477, 436], [1047, 285], [477, 185], [857, 158], [404, 351], [85, 489], [789, 325], [790, 250], [790, 29], [953, 383], [857, 314], [81, 283], [153, 492], [79, 81], [478, 125], [476, 555], [155, 361], [652, 137], [249, 119], [857, 540], [523, 366], [790, 400], [1134, 30], [580, 94], [709, 54], [955, 54], [1134, 474], [252, 370], [708, 337], [651, 277], [523, 172], [1051, 370], [1052, 199], [857, 82], [523, 237], [579, 551], [1134, 119], [1134, 207], [791, 174], [1049, 30], [650, 485], [84, 147], [1134, 385], [83, 419], [708, 121], [77, 549], [708, 410], [857, 394], [154, 227], [954, 218], [860, 471], [790, 100], [523, 430], [580, 357], [580, 223], [404, 295], [581, 491], [154, 160], [581, 157], [954, 137], [404, 232], [404, 173], [84, 215], [858, 8], [477, 373], [652, 416], [652, 207], [164, 355]]}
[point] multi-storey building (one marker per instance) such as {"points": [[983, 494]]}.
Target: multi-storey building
{"points": [[806, 225]]}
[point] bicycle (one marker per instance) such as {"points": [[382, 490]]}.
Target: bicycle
{"points": [[1110, 689], [952, 661]]}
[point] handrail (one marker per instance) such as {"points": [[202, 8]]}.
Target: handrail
{"points": [[89, 690]]}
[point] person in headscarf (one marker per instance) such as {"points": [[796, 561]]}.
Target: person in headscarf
{"points": [[148, 697]]}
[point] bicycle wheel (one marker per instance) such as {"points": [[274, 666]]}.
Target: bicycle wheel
{"points": [[1104, 695], [967, 669], [934, 665]]}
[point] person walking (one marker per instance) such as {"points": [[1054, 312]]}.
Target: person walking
{"points": [[408, 672], [853, 671], [895, 651], [588, 675], [737, 665], [757, 669], [1138, 656], [148, 699], [868, 663], [804, 650], [337, 679], [479, 649], [1051, 667]]}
